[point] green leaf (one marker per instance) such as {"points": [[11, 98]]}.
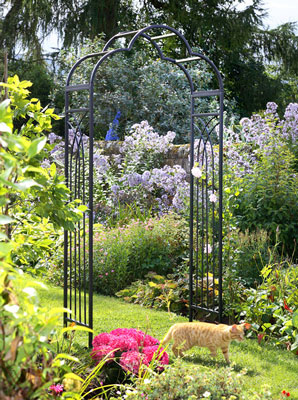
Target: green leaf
{"points": [[5, 219], [26, 184], [4, 127], [53, 169], [3, 236], [67, 357], [36, 146], [295, 319], [71, 375], [294, 345], [76, 328], [5, 248]]}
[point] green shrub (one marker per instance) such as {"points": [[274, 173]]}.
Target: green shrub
{"points": [[186, 382], [125, 254], [28, 363], [34, 200]]}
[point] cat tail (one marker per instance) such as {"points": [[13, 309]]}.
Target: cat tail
{"points": [[168, 336]]}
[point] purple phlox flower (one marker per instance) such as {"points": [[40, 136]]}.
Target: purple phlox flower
{"points": [[77, 139], [271, 108], [115, 188], [146, 176], [134, 179], [46, 163], [53, 137], [101, 163]]}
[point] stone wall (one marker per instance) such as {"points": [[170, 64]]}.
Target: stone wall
{"points": [[177, 154]]}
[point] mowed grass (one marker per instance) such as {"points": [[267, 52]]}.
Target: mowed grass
{"points": [[265, 364]]}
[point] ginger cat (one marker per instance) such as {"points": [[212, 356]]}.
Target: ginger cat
{"points": [[203, 334]]}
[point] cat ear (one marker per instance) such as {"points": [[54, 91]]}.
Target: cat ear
{"points": [[234, 328], [247, 326]]}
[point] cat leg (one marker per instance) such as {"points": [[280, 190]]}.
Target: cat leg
{"points": [[178, 349], [225, 352], [213, 351]]}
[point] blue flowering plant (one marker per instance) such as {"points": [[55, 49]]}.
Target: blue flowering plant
{"points": [[112, 132]]}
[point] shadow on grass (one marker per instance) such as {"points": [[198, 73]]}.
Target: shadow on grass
{"points": [[216, 363]]}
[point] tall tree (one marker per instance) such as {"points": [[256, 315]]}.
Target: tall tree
{"points": [[236, 40]]}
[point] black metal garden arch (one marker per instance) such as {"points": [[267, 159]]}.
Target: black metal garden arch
{"points": [[205, 218]]}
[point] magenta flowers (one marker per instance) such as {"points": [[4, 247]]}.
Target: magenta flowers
{"points": [[130, 348]]}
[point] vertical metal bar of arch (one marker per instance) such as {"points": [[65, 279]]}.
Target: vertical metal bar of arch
{"points": [[220, 186], [191, 213], [65, 288], [91, 131]]}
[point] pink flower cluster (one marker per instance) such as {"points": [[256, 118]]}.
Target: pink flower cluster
{"points": [[130, 347]]}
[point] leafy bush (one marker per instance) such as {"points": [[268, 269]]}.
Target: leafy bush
{"points": [[34, 200], [187, 382], [272, 307], [125, 254]]}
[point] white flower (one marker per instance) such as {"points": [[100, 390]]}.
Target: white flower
{"points": [[197, 172], [30, 291], [206, 394], [213, 198], [11, 308], [208, 249], [147, 381]]}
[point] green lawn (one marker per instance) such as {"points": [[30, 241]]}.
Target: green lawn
{"points": [[265, 364]]}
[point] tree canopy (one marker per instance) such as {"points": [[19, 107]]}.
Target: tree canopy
{"points": [[234, 38]]}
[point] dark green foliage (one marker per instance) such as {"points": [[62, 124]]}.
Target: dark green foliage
{"points": [[35, 71], [141, 87], [238, 44]]}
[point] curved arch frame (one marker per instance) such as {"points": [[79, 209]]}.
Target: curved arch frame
{"points": [[194, 195]]}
